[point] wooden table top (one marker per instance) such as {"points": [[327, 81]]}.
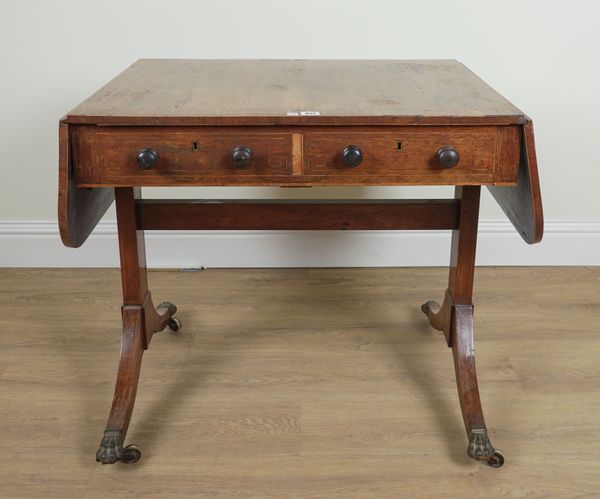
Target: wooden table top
{"points": [[254, 92]]}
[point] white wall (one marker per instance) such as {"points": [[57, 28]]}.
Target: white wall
{"points": [[541, 54]]}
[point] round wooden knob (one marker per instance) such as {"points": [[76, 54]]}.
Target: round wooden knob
{"points": [[352, 156], [447, 157], [147, 158], [241, 156]]}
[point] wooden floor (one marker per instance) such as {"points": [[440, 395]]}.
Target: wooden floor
{"points": [[301, 383]]}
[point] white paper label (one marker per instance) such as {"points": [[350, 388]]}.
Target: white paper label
{"points": [[303, 113]]}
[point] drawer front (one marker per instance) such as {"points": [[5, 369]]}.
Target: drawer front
{"points": [[409, 155], [187, 156], [295, 156]]}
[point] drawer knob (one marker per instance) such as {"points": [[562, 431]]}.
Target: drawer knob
{"points": [[242, 156], [147, 158], [447, 157], [352, 156]]}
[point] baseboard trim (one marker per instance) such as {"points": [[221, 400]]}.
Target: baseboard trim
{"points": [[37, 244]]}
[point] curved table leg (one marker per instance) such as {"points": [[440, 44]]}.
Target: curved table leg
{"points": [[140, 321], [455, 318], [132, 348], [138, 325], [463, 351]]}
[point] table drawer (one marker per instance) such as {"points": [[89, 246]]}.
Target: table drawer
{"points": [[294, 156], [109, 155], [409, 154]]}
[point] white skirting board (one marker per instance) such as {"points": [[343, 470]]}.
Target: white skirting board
{"points": [[37, 244]]}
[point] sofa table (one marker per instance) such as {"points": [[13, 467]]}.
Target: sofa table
{"points": [[294, 123]]}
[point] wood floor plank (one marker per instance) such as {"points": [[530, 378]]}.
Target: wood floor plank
{"points": [[306, 383]]}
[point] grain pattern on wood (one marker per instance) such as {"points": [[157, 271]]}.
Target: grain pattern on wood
{"points": [[302, 383], [463, 352], [463, 246], [140, 321], [408, 151], [297, 215], [128, 374], [358, 101], [462, 263], [134, 275], [455, 318], [183, 152], [132, 247], [173, 91], [132, 349], [295, 155], [523, 203], [79, 209]]}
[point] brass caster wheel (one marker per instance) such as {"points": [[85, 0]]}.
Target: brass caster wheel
{"points": [[174, 324], [496, 460], [131, 454]]}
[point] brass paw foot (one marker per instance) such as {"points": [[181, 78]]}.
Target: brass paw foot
{"points": [[171, 308], [111, 450], [481, 449]]}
